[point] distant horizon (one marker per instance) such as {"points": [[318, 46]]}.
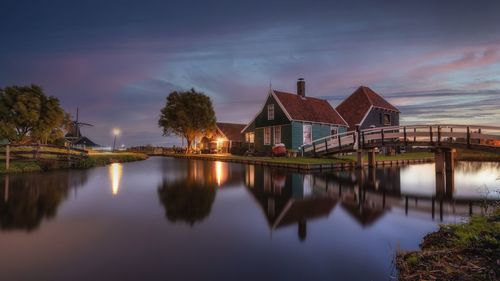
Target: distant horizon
{"points": [[118, 60]]}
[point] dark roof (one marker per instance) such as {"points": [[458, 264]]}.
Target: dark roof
{"points": [[85, 141], [309, 109], [232, 131], [309, 209], [364, 216], [354, 108]]}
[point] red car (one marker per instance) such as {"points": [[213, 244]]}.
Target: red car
{"points": [[279, 150]]}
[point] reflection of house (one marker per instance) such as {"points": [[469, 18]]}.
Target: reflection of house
{"points": [[286, 198], [292, 119], [227, 137], [368, 109]]}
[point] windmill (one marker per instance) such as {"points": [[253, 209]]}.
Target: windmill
{"points": [[74, 134]]}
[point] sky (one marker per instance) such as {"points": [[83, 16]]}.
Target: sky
{"points": [[117, 60]]}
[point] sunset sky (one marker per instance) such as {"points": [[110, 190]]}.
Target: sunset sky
{"points": [[437, 61]]}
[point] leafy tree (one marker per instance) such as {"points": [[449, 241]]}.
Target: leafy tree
{"points": [[27, 114], [187, 114]]}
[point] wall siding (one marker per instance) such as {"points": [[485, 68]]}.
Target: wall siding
{"points": [[373, 118]]}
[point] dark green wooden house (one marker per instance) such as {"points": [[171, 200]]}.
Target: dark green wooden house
{"points": [[293, 120]]}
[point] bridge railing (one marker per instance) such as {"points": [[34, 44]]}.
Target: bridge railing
{"points": [[415, 135], [334, 143], [433, 135]]}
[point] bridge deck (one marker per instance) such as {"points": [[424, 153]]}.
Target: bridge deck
{"points": [[447, 136]]}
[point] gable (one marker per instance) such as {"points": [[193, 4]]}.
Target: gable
{"points": [[280, 116], [357, 106]]}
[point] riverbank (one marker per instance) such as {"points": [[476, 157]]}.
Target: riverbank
{"points": [[93, 160], [475, 155], [468, 251], [308, 163]]}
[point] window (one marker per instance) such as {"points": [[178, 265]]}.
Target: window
{"points": [[250, 137], [277, 134], [333, 130], [267, 135], [307, 130], [387, 119], [270, 112]]}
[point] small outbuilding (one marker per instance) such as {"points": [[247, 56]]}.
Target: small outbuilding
{"points": [[368, 109], [227, 138]]}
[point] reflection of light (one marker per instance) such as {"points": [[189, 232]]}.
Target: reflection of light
{"points": [[218, 172], [115, 174]]}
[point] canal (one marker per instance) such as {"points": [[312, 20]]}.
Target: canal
{"points": [[171, 219]]}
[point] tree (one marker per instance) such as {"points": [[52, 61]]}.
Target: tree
{"points": [[187, 114], [27, 114]]}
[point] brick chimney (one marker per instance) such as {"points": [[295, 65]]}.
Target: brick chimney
{"points": [[301, 87]]}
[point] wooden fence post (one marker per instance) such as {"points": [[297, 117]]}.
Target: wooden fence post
{"points": [[7, 157]]}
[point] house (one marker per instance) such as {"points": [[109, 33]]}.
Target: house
{"points": [[292, 119], [368, 109], [227, 137]]}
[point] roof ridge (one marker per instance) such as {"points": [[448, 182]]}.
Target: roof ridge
{"points": [[363, 89]]}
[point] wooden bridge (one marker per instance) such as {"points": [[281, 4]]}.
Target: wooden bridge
{"points": [[437, 136]]}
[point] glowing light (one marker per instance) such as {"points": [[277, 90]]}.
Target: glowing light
{"points": [[218, 172], [116, 132], [115, 175]]}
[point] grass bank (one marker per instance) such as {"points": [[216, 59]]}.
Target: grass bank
{"points": [[468, 251], [94, 160], [276, 160], [102, 159], [475, 155]]}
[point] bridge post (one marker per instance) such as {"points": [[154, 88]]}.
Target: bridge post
{"points": [[439, 135], [359, 159], [404, 134], [358, 133], [450, 159], [431, 138], [439, 160], [371, 158], [468, 137]]}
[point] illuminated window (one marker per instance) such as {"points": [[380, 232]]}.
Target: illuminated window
{"points": [[267, 135], [277, 134], [307, 137], [270, 112], [250, 137], [387, 119]]}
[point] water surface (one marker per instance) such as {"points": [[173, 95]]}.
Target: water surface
{"points": [[170, 219]]}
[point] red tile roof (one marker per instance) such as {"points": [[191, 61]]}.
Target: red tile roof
{"points": [[231, 130], [354, 108], [309, 109]]}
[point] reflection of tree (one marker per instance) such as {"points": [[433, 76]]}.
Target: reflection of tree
{"points": [[185, 200], [27, 199]]}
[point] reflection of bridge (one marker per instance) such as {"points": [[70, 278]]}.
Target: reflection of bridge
{"points": [[365, 194]]}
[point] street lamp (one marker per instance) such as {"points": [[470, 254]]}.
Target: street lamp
{"points": [[116, 132]]}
